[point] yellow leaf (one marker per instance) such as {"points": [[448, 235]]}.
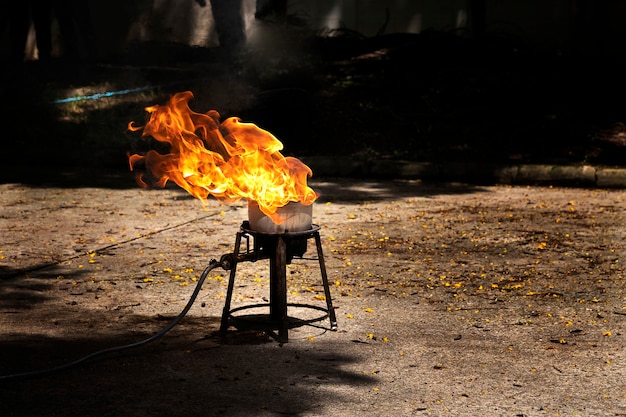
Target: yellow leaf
{"points": [[148, 279], [369, 310], [607, 334]]}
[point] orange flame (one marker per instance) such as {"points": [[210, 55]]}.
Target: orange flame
{"points": [[229, 160]]}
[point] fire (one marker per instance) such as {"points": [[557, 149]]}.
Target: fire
{"points": [[228, 160]]}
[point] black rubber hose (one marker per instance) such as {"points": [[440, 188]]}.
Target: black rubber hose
{"points": [[212, 265]]}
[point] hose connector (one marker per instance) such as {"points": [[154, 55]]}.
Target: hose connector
{"points": [[228, 261]]}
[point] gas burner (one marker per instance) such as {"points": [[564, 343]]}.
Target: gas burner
{"points": [[279, 249]]}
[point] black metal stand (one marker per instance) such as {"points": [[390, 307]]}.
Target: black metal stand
{"points": [[279, 249]]}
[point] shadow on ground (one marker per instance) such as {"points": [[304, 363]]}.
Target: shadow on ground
{"points": [[191, 369]]}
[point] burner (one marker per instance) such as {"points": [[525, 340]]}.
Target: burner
{"points": [[280, 249]]}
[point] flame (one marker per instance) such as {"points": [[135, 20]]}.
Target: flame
{"points": [[230, 160]]}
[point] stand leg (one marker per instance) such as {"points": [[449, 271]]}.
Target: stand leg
{"points": [[278, 289], [329, 301], [231, 284]]}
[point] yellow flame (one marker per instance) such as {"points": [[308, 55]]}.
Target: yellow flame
{"points": [[228, 160]]}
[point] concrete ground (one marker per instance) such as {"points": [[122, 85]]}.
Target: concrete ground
{"points": [[451, 299]]}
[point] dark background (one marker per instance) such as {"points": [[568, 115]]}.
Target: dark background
{"points": [[474, 93]]}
